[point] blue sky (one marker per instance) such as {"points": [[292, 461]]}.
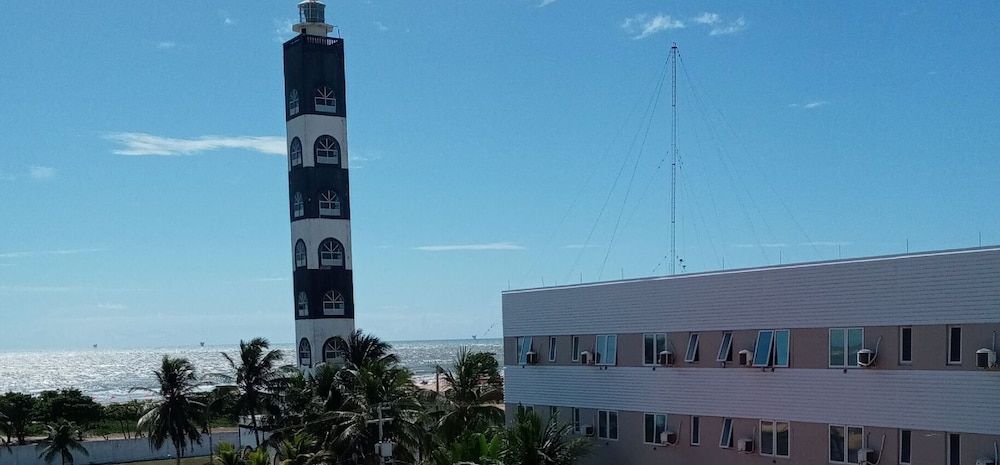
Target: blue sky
{"points": [[143, 203]]}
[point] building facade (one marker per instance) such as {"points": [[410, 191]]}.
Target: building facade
{"points": [[318, 186], [767, 365]]}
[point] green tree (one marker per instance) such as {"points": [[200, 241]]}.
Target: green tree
{"points": [[227, 454], [528, 442], [177, 415], [473, 448], [126, 415], [471, 396], [60, 442], [258, 377], [68, 405], [18, 408], [360, 348]]}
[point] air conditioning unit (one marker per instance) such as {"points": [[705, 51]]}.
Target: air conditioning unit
{"points": [[744, 445], [866, 456], [986, 461], [588, 430], [532, 358], [666, 358], [668, 438], [986, 358], [866, 357], [384, 449], [586, 358], [746, 358]]}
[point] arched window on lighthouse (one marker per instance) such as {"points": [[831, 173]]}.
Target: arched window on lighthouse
{"points": [[330, 352], [293, 102], [326, 100], [327, 150], [331, 254], [329, 203], [333, 304], [305, 353], [295, 152], [298, 206], [302, 304], [300, 254]]}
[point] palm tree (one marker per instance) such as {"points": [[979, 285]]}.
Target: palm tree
{"points": [[227, 454], [470, 400], [473, 448], [258, 377], [527, 442], [178, 414], [61, 442], [359, 348]]}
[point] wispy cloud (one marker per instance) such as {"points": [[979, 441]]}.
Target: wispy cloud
{"points": [[380, 26], [707, 18], [283, 30], [138, 143], [166, 44], [42, 172], [809, 105], [641, 26], [457, 247], [731, 27], [37, 253], [545, 3]]}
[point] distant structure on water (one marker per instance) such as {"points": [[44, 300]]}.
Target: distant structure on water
{"points": [[318, 187]]}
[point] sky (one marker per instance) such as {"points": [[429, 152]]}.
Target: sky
{"points": [[494, 145]]}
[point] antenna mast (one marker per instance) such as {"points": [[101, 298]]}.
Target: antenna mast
{"points": [[673, 164]]}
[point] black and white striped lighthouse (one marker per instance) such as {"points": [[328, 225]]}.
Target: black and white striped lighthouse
{"points": [[318, 187]]}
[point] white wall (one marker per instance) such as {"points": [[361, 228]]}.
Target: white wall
{"points": [[120, 451]]}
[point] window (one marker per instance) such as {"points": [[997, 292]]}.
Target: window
{"points": [[692, 353], [329, 204], [652, 345], [954, 449], [726, 348], [293, 102], [905, 345], [330, 352], [326, 100], [331, 254], [302, 304], [327, 150], [726, 439], [552, 348], [576, 420], [845, 442], [954, 345], [305, 353], [904, 446], [607, 349], [295, 152], [695, 431], [772, 348], [523, 347], [607, 424], [300, 254], [298, 206], [655, 425], [333, 304], [844, 346], [576, 348], [774, 438]]}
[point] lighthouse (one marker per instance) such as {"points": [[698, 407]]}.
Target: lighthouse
{"points": [[319, 204]]}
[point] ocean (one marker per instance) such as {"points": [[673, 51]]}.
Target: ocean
{"points": [[109, 374]]}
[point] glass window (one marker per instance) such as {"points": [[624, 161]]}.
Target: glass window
{"points": [[855, 439], [774, 438], [298, 206], [781, 439], [695, 431], [607, 349], [326, 100], [295, 152], [837, 440], [552, 348], [837, 358], [653, 344], [855, 342], [655, 425], [726, 348], [904, 447], [300, 254], [726, 438], [905, 344], [781, 345], [576, 348], [330, 351], [293, 102], [692, 351], [327, 150], [762, 351], [576, 420], [954, 449], [305, 353], [333, 304], [523, 347], [607, 424], [766, 437], [954, 344], [331, 254], [845, 343], [302, 304], [329, 203]]}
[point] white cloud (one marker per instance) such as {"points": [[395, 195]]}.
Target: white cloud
{"points": [[809, 105], [732, 27], [283, 30], [545, 3], [707, 18], [380, 26], [487, 246], [138, 143], [42, 172], [166, 44], [48, 252], [641, 26]]}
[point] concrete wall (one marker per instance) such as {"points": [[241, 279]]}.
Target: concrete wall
{"points": [[122, 450]]}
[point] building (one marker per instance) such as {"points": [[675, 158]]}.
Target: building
{"points": [[318, 186], [761, 365]]}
